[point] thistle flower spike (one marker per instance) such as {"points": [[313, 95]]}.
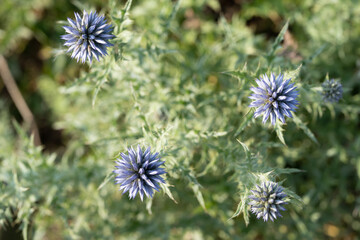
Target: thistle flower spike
{"points": [[87, 36], [332, 90], [139, 172], [267, 200], [274, 97]]}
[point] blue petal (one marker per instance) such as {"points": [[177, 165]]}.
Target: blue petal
{"points": [[259, 110], [256, 103], [272, 118], [72, 23], [275, 104], [71, 30], [69, 37], [279, 115], [107, 36], [283, 105], [266, 115]]}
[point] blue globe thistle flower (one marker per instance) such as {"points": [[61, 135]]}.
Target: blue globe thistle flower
{"points": [[332, 90], [88, 36], [139, 172], [267, 201], [274, 97]]}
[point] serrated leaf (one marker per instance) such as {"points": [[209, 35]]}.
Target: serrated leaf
{"points": [[149, 205], [241, 74], [198, 195], [295, 199], [246, 214], [242, 208], [127, 6], [106, 180], [97, 89], [317, 53], [246, 149], [287, 170], [292, 74], [279, 130], [238, 211], [306, 130], [248, 116], [172, 14], [276, 45], [25, 230], [168, 192], [209, 166]]}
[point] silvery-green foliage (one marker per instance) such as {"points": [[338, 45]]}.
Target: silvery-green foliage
{"points": [[179, 82]]}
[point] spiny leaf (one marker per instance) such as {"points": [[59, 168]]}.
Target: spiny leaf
{"points": [[106, 180], [279, 171], [97, 89], [277, 42], [25, 230], [127, 6], [279, 130], [168, 192], [238, 210], [317, 53], [198, 194], [292, 74], [173, 14], [295, 199], [306, 130], [246, 149], [195, 185], [242, 208], [248, 116], [241, 73], [149, 205]]}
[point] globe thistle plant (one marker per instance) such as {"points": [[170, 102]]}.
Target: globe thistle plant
{"points": [[332, 90], [267, 201], [274, 97], [87, 37], [139, 172]]}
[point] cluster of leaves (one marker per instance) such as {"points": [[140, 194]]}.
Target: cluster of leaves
{"points": [[179, 82]]}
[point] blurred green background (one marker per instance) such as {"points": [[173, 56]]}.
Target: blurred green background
{"points": [[164, 77]]}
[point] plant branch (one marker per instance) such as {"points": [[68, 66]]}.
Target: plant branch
{"points": [[18, 99]]}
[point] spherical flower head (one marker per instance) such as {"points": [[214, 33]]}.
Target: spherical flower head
{"points": [[87, 37], [274, 97], [139, 172], [267, 201], [332, 90]]}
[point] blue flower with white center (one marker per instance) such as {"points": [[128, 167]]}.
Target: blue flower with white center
{"points": [[139, 172], [274, 97], [332, 91], [267, 200], [87, 37]]}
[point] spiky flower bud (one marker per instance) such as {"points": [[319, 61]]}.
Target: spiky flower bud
{"points": [[88, 36], [274, 97], [267, 201], [139, 172], [332, 90]]}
